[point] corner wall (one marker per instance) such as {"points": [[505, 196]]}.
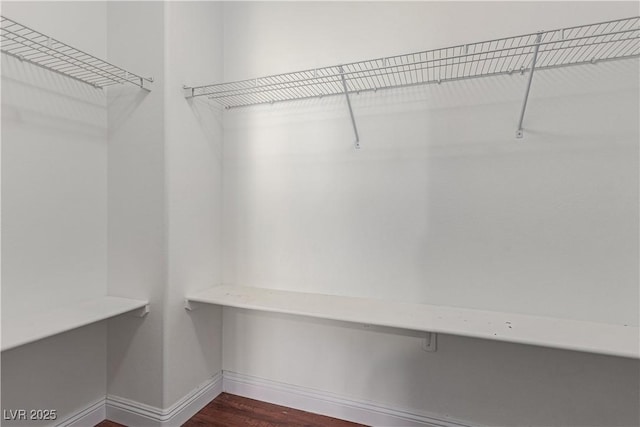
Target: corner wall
{"points": [[137, 195], [193, 340], [165, 192]]}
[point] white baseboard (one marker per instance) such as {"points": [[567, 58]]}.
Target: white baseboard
{"points": [[329, 404], [131, 413], [89, 416]]}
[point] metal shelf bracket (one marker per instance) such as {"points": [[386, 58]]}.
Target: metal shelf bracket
{"points": [[141, 312], [534, 58], [353, 120], [430, 342], [190, 305]]}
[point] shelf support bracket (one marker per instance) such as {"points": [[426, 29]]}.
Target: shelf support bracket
{"points": [[189, 92], [353, 120], [430, 342], [189, 305], [142, 311], [520, 132]]}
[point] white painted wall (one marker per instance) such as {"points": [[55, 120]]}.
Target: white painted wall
{"points": [[442, 202], [193, 340], [159, 211], [54, 188], [137, 194], [479, 382], [54, 219], [442, 205]]}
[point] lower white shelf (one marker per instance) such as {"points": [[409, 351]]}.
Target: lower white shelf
{"points": [[27, 329], [601, 338]]}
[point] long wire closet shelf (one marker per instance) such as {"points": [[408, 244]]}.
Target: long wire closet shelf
{"points": [[583, 44], [44, 51]]}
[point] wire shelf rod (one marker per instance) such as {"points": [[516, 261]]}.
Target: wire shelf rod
{"points": [[64, 58], [60, 44], [615, 39], [31, 46], [228, 105], [378, 73], [393, 70], [528, 45]]}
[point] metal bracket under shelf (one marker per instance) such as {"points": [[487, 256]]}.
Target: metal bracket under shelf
{"points": [[430, 342], [141, 312], [353, 120], [534, 58], [190, 305]]}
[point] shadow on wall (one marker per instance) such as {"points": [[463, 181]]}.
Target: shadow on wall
{"points": [[71, 364], [526, 217], [122, 332], [204, 111], [123, 101], [495, 383], [40, 99], [206, 325], [492, 383]]}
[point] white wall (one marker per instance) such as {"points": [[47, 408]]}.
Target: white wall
{"points": [[193, 340], [475, 381], [148, 203], [137, 194], [55, 140], [442, 205], [442, 202], [54, 194]]}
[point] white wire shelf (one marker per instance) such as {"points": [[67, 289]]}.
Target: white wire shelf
{"points": [[44, 51], [583, 44]]}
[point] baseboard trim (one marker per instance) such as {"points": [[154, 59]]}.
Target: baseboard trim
{"points": [[320, 402], [131, 413], [89, 416]]}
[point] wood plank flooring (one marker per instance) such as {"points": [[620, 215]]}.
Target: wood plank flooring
{"points": [[228, 410]]}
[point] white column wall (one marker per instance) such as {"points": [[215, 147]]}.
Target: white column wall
{"points": [[137, 197], [193, 340]]}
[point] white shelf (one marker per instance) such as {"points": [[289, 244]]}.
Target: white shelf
{"points": [[609, 339], [24, 330]]}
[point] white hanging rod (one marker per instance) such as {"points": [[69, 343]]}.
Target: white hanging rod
{"points": [[39, 49], [616, 39]]}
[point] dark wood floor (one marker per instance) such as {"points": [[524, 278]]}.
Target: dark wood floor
{"points": [[107, 423], [228, 410]]}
